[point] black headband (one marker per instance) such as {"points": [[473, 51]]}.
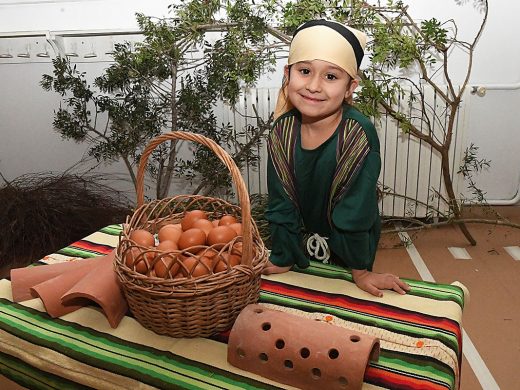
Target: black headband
{"points": [[339, 28]]}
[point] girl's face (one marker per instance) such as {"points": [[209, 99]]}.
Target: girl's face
{"points": [[318, 88]]}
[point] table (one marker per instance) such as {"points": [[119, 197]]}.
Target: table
{"points": [[420, 333]]}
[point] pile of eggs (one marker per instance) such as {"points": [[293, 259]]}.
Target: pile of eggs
{"points": [[192, 248]]}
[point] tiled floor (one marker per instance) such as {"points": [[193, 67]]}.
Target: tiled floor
{"points": [[491, 272]]}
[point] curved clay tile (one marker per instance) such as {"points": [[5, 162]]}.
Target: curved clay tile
{"points": [[51, 290], [66, 287], [22, 279], [101, 286]]}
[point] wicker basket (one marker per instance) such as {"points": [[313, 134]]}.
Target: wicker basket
{"points": [[190, 306]]}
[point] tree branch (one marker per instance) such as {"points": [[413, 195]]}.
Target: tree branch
{"points": [[461, 221], [472, 47], [413, 129], [425, 205]]}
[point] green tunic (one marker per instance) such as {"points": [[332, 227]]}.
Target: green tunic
{"points": [[355, 230]]}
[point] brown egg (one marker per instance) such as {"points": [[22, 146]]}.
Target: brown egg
{"points": [[166, 263], [232, 259], [131, 256], [169, 232], [205, 267], [227, 220], [219, 264], [192, 237], [215, 222], [190, 217], [166, 267], [167, 246], [141, 267], [208, 252], [177, 225], [220, 236], [194, 267], [237, 248], [135, 259], [149, 254], [142, 237], [203, 224], [237, 227], [188, 264]]}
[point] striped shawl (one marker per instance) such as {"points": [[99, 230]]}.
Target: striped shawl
{"points": [[351, 151]]}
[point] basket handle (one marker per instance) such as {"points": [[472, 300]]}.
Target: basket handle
{"points": [[243, 195]]}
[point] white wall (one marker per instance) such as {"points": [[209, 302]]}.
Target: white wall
{"points": [[29, 144], [27, 15], [490, 122]]}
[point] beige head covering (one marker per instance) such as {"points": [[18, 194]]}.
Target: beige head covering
{"points": [[328, 41]]}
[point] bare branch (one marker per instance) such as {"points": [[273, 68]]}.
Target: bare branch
{"points": [[416, 201], [413, 129], [280, 35], [461, 221], [472, 47]]}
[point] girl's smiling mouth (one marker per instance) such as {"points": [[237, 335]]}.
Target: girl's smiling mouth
{"points": [[311, 99]]}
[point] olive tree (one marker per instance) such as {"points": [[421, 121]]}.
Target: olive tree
{"points": [[159, 86]]}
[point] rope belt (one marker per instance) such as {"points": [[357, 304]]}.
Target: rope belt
{"points": [[318, 248]]}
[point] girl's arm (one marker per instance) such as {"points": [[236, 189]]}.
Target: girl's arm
{"points": [[284, 225], [356, 231]]}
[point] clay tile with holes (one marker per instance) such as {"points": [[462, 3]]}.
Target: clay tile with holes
{"points": [[298, 351]]}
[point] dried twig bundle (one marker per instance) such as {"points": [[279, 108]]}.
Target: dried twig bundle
{"points": [[43, 212]]}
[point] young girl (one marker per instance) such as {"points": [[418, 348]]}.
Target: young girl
{"points": [[324, 161]]}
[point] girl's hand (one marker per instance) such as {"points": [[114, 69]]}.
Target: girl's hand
{"points": [[270, 268], [374, 283]]}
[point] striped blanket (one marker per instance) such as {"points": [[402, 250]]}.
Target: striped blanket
{"points": [[420, 333]]}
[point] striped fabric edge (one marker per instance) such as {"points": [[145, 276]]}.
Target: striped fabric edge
{"points": [[31, 377], [85, 248], [403, 370], [368, 313], [398, 351], [103, 351], [436, 291], [114, 230], [50, 361], [98, 243], [394, 380]]}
